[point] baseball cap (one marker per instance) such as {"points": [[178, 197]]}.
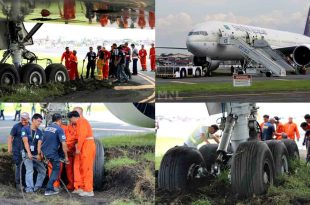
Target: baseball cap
{"points": [[25, 115], [276, 118]]}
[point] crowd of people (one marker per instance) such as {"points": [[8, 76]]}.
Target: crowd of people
{"points": [[71, 147], [270, 129], [113, 63]]}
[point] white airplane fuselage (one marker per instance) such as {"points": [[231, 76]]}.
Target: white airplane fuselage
{"points": [[203, 40]]}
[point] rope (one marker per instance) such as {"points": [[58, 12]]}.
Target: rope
{"points": [[45, 162]]}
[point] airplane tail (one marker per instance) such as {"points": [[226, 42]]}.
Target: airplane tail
{"points": [[307, 28]]}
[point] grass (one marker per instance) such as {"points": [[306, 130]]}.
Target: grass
{"points": [[129, 202], [201, 202], [119, 162], [227, 87], [130, 140], [148, 156]]}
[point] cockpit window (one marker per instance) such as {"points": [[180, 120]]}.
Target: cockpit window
{"points": [[196, 33]]}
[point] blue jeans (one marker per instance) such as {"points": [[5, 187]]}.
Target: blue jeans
{"points": [[127, 69], [135, 66], [17, 158], [54, 175], [121, 73], [30, 165]]}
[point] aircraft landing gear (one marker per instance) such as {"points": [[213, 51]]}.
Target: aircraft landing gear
{"points": [[8, 74]]}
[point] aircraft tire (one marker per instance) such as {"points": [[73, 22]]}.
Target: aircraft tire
{"points": [[293, 152], [209, 155], [56, 72], [8, 74], [175, 167], [197, 73], [183, 73], [33, 74], [99, 166], [280, 156], [252, 169], [268, 74]]}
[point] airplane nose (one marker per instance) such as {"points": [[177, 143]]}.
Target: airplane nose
{"points": [[191, 45]]}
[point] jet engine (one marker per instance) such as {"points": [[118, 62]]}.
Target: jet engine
{"points": [[301, 55], [210, 65]]}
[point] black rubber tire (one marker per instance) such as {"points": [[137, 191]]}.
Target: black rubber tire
{"points": [[252, 163], [183, 73], [293, 152], [268, 74], [209, 155], [99, 166], [198, 71], [28, 70], [8, 75], [174, 168], [280, 156], [56, 72]]}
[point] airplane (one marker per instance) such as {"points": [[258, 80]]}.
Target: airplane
{"points": [[203, 42], [14, 37]]}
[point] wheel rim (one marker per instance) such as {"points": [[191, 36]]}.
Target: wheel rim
{"points": [[284, 164], [197, 73], [60, 76], [267, 176], [35, 78], [8, 78]]}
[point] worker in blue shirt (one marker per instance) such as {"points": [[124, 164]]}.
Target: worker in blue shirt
{"points": [[15, 145], [54, 139], [268, 130], [32, 139]]}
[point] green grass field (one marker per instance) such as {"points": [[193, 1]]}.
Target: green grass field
{"points": [[130, 140], [227, 87]]}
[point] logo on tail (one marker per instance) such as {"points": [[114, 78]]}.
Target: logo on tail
{"points": [[307, 28]]}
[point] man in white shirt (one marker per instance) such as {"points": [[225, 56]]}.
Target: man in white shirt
{"points": [[203, 134]]}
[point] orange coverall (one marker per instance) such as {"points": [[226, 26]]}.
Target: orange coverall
{"points": [[142, 55], [69, 9], [153, 58], [73, 67], [279, 130], [141, 20], [73, 168], [87, 148], [66, 56], [152, 19], [105, 69], [290, 130]]}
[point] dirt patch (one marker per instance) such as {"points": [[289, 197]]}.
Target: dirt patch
{"points": [[7, 175], [133, 152]]}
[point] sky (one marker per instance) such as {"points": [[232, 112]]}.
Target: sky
{"points": [[175, 18]]}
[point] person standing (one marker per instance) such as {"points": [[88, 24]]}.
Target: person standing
{"points": [[106, 68], [127, 52], [2, 107], [74, 74], [66, 55], [153, 58], [135, 57], [268, 130], [33, 108], [15, 145], [120, 62], [86, 149], [54, 147], [18, 108], [91, 63], [142, 56], [291, 129], [100, 64], [280, 132], [32, 139]]}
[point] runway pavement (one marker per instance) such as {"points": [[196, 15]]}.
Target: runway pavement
{"points": [[104, 124]]}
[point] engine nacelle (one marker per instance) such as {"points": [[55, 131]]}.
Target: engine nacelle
{"points": [[210, 65], [301, 55], [139, 114]]}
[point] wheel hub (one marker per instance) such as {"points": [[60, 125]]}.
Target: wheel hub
{"points": [[59, 76], [7, 78], [36, 78], [284, 167]]}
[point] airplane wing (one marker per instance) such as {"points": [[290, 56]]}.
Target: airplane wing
{"points": [[119, 14]]}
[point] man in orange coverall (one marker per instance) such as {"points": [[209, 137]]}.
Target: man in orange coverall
{"points": [[85, 149], [142, 56], [153, 58], [73, 168], [66, 55], [105, 70], [74, 74], [290, 129], [280, 132]]}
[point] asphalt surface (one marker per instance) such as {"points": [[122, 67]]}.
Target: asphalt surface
{"points": [[223, 76], [141, 88], [101, 129]]}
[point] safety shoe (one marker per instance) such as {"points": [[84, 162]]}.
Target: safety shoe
{"points": [[49, 193], [84, 193], [77, 191]]}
